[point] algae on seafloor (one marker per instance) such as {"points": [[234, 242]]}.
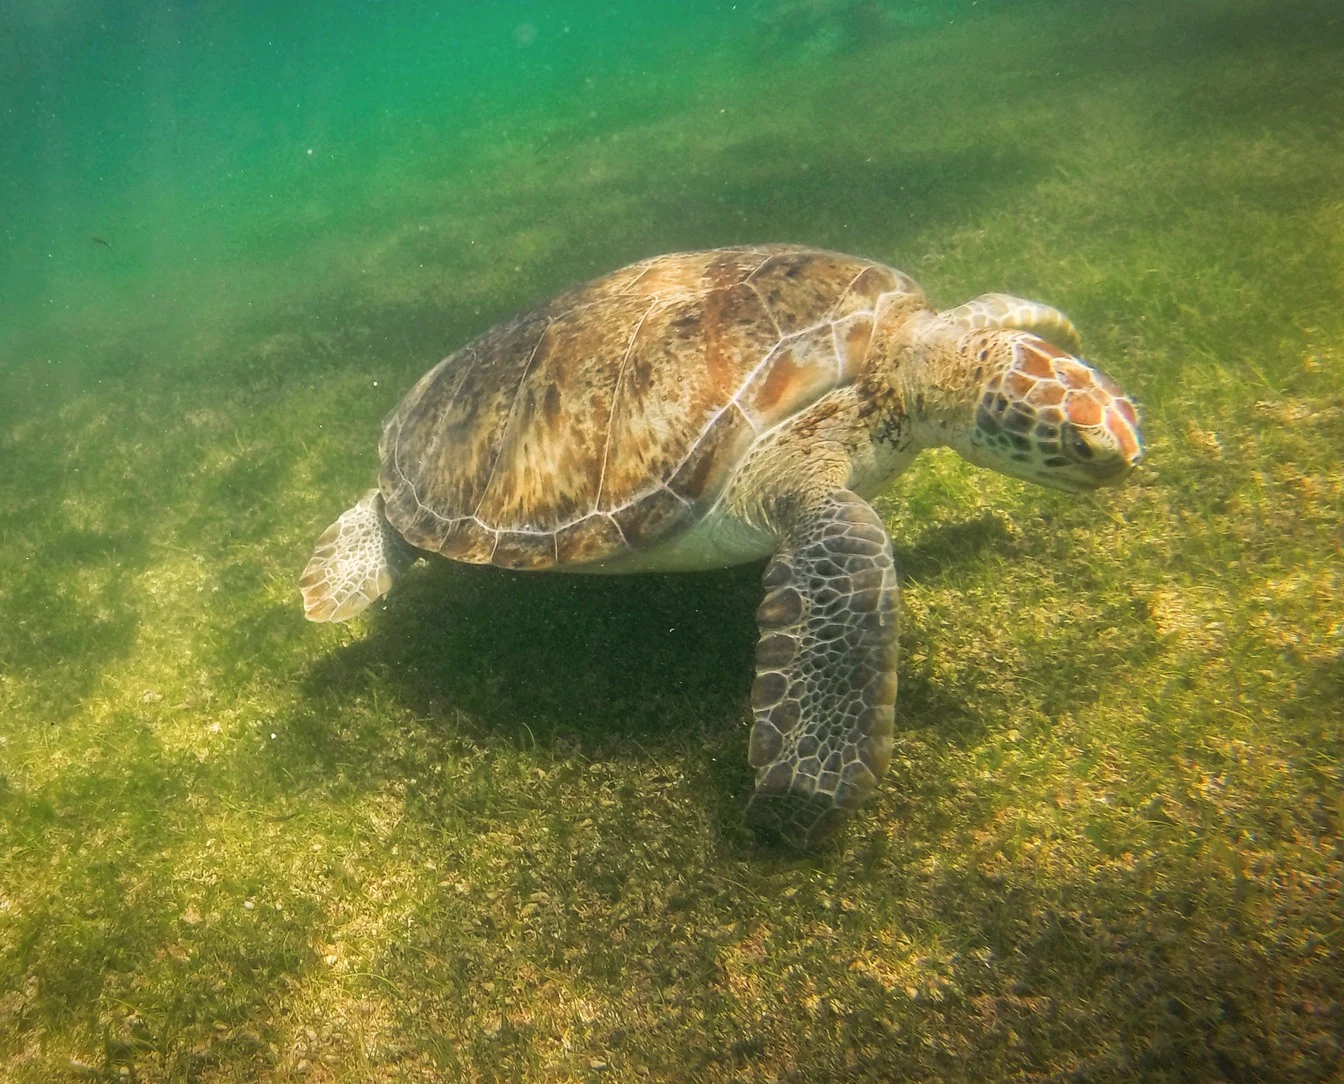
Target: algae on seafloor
{"points": [[493, 830]]}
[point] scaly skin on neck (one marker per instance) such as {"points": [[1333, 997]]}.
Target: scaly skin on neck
{"points": [[917, 390]]}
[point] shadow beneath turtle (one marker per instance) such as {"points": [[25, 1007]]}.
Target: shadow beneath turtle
{"points": [[645, 666], [945, 544], [611, 665]]}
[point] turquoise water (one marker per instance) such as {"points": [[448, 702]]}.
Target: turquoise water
{"points": [[202, 141], [225, 152], [493, 831]]}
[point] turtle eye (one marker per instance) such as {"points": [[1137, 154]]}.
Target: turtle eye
{"points": [[1076, 443]]}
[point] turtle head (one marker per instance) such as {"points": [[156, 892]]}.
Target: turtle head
{"points": [[1046, 416]]}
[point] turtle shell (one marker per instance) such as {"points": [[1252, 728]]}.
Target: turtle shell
{"points": [[612, 416]]}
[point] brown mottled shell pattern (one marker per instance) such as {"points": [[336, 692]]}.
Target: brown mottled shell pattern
{"points": [[611, 416]]}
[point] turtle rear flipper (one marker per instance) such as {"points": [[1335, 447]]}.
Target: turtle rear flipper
{"points": [[357, 559], [825, 688]]}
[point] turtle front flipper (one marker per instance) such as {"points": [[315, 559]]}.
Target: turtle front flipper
{"points": [[825, 689], [357, 559], [1005, 310]]}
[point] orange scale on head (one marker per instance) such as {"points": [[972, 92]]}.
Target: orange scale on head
{"points": [[1126, 410], [1018, 383], [1100, 397], [1073, 375], [1083, 411], [1046, 393], [1034, 362], [1124, 433]]}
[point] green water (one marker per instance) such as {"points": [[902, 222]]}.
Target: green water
{"points": [[208, 144], [493, 830]]}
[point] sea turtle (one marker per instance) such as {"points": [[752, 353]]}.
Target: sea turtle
{"points": [[705, 409]]}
